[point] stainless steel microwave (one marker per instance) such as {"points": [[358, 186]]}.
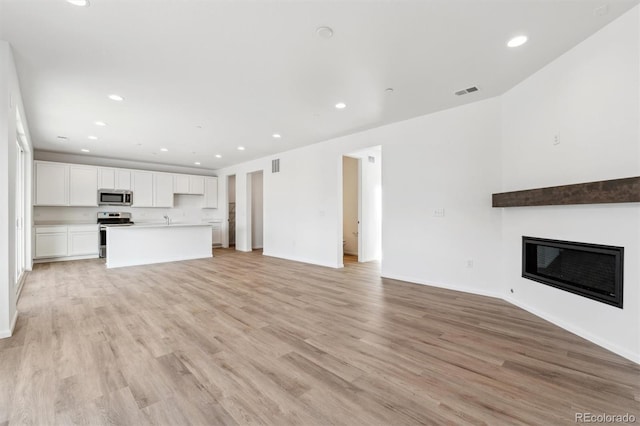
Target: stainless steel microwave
{"points": [[109, 197]]}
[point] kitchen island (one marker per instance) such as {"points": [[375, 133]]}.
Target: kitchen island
{"points": [[147, 243]]}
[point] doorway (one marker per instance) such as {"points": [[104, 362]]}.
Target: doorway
{"points": [[231, 197], [350, 216], [362, 205], [256, 209]]}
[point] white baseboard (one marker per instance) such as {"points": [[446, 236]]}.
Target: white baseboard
{"points": [[635, 357], [304, 260], [64, 259], [9, 332], [454, 287], [23, 278]]}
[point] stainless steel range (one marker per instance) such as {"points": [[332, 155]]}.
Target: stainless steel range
{"points": [[106, 219]]}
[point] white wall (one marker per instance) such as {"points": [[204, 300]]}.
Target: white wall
{"points": [[350, 204], [588, 98], [449, 159], [10, 102], [257, 219]]}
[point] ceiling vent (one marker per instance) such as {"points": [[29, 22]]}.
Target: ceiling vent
{"points": [[275, 166], [466, 91]]}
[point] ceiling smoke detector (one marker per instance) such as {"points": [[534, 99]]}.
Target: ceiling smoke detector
{"points": [[466, 91], [324, 32]]}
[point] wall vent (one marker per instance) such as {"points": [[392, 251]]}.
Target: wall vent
{"points": [[466, 91], [275, 165]]}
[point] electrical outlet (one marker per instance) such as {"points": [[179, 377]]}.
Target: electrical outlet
{"points": [[469, 263], [556, 139]]}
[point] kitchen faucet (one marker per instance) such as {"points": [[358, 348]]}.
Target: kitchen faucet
{"points": [[166, 217]]}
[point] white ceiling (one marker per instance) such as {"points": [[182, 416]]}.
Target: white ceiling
{"points": [[243, 70]]}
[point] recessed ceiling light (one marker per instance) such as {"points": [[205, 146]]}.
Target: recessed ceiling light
{"points": [[324, 32], [218, 156], [517, 41], [241, 148], [62, 138], [83, 3], [85, 150], [164, 149], [341, 105], [388, 90], [276, 135], [100, 123], [93, 138], [197, 163], [116, 98]]}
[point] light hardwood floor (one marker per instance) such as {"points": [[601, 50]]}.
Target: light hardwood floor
{"points": [[247, 339]]}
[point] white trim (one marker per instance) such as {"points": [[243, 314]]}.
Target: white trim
{"points": [[454, 287], [64, 259], [635, 357], [9, 333], [23, 278], [305, 260]]}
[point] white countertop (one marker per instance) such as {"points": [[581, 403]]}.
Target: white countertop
{"points": [[161, 225], [62, 222]]}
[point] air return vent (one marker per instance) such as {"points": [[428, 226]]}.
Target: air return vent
{"points": [[466, 91], [275, 166]]}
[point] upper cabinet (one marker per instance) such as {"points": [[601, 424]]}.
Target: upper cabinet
{"points": [[106, 178], [185, 184], [58, 184], [210, 193], [52, 184], [83, 181], [162, 190], [110, 178], [142, 184], [65, 185]]}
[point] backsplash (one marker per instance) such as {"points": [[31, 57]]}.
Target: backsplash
{"points": [[187, 208]]}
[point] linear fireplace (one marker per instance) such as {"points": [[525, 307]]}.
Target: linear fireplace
{"points": [[590, 270]]}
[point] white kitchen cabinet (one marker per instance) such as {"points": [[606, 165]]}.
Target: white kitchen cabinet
{"points": [[181, 184], [185, 184], [210, 193], [51, 241], [196, 185], [83, 183], [162, 190], [123, 179], [142, 184], [106, 178], [110, 178], [216, 234], [52, 184], [83, 240]]}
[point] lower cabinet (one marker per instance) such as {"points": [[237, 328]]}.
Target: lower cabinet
{"points": [[51, 241], [83, 240], [216, 234], [66, 241]]}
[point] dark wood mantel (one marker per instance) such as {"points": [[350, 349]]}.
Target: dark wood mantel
{"points": [[625, 190]]}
